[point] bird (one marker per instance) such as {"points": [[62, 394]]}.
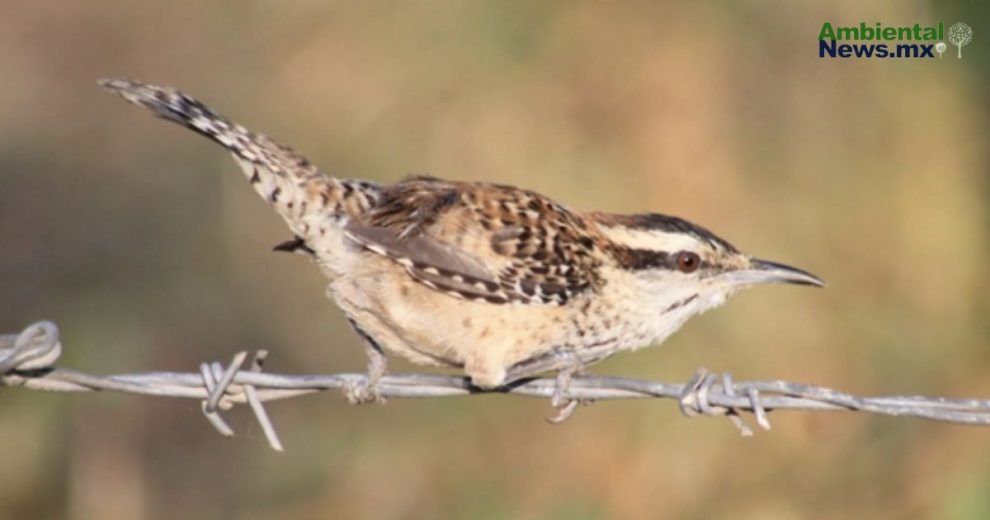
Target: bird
{"points": [[499, 282]]}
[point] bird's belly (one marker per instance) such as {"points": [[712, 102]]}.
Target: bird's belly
{"points": [[434, 328], [462, 330]]}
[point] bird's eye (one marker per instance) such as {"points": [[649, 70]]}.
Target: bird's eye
{"points": [[687, 262]]}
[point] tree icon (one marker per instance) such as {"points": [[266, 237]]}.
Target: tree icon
{"points": [[960, 34], [940, 49]]}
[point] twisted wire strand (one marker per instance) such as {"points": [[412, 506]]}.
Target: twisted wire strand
{"points": [[28, 360]]}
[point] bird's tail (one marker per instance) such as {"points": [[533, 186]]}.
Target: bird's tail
{"points": [[294, 187]]}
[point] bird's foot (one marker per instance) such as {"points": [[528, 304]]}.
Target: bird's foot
{"points": [[364, 391], [561, 399]]}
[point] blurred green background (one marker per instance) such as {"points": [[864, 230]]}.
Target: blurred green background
{"points": [[144, 243]]}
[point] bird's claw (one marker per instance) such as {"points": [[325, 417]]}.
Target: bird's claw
{"points": [[363, 391], [564, 412]]}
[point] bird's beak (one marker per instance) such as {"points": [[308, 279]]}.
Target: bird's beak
{"points": [[765, 271]]}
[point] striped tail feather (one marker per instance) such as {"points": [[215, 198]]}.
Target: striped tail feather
{"points": [[294, 187]]}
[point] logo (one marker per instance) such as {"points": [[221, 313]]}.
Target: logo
{"points": [[960, 35], [916, 41]]}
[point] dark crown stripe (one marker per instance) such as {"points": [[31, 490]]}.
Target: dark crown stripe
{"points": [[666, 223], [678, 225]]}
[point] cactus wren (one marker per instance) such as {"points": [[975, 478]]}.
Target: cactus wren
{"points": [[496, 280]]}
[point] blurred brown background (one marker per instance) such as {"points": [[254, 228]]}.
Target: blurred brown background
{"points": [[144, 243]]}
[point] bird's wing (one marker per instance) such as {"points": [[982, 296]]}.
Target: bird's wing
{"points": [[482, 242]]}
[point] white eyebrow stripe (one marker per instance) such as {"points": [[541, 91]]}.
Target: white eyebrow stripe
{"points": [[653, 240]]}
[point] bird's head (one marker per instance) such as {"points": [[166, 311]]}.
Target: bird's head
{"points": [[680, 269]]}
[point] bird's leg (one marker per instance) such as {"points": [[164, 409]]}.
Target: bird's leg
{"points": [[562, 381], [366, 391], [553, 361]]}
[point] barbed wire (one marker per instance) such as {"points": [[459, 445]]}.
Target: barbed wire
{"points": [[27, 360]]}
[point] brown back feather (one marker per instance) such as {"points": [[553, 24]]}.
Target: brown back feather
{"points": [[483, 241]]}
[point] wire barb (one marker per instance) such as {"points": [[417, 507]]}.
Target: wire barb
{"points": [[28, 360]]}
